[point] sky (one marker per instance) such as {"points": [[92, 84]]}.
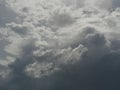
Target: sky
{"points": [[59, 44]]}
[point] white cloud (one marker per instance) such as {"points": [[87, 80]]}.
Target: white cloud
{"points": [[51, 35]]}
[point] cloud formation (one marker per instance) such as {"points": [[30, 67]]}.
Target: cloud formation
{"points": [[59, 45]]}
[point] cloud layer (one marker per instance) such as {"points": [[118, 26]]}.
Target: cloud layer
{"points": [[59, 44]]}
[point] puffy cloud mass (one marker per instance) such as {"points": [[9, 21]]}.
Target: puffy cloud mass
{"points": [[59, 44]]}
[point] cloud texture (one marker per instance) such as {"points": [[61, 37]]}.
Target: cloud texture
{"points": [[59, 44]]}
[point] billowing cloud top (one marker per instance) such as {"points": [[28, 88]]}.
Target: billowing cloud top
{"points": [[59, 44]]}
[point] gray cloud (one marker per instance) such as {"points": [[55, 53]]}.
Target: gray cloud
{"points": [[59, 45], [7, 15]]}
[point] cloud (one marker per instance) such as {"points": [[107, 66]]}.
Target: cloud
{"points": [[7, 14], [59, 45]]}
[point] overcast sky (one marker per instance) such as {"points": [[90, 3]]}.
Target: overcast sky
{"points": [[59, 44]]}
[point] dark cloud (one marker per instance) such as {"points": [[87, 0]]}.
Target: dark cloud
{"points": [[7, 15], [85, 75], [59, 45], [116, 3], [93, 76]]}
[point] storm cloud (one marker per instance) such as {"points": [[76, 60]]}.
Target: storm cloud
{"points": [[59, 45]]}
